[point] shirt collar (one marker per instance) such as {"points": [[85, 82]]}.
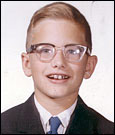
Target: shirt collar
{"points": [[44, 114], [63, 116]]}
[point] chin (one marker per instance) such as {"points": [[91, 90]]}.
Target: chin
{"points": [[58, 94]]}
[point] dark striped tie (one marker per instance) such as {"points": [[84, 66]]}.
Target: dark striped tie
{"points": [[54, 125]]}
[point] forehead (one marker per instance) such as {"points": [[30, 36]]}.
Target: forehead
{"points": [[58, 32]]}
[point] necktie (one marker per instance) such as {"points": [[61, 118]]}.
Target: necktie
{"points": [[54, 125]]}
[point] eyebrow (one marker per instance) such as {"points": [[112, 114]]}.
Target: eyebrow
{"points": [[44, 44]]}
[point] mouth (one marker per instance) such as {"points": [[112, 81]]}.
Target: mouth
{"points": [[58, 78]]}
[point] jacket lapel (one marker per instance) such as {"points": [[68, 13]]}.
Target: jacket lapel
{"points": [[80, 122], [29, 120]]}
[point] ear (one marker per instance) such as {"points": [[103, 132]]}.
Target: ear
{"points": [[91, 64], [26, 64]]}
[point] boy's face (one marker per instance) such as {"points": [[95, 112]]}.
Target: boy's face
{"points": [[59, 33]]}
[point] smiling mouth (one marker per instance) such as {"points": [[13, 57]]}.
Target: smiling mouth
{"points": [[58, 77]]}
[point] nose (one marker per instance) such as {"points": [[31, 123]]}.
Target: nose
{"points": [[58, 61]]}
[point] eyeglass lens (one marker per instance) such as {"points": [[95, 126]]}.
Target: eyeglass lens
{"points": [[71, 53]]}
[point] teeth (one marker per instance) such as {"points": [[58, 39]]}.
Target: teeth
{"points": [[66, 77], [60, 77], [55, 76]]}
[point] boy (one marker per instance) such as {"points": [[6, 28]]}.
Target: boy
{"points": [[58, 58]]}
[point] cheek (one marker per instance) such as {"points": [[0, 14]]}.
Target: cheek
{"points": [[38, 75], [37, 69], [78, 72]]}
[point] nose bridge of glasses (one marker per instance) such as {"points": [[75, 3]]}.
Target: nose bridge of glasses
{"points": [[61, 49]]}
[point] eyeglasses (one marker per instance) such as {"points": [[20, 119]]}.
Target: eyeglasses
{"points": [[46, 51]]}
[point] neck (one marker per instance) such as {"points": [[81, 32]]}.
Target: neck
{"points": [[55, 105]]}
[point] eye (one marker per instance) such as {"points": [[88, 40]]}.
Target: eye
{"points": [[74, 52], [45, 50]]}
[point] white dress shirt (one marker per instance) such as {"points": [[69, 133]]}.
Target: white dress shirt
{"points": [[63, 116]]}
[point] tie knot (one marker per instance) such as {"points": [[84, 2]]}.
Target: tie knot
{"points": [[54, 123]]}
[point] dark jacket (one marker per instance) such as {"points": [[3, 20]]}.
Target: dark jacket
{"points": [[25, 119]]}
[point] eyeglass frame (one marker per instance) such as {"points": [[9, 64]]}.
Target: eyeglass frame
{"points": [[34, 46]]}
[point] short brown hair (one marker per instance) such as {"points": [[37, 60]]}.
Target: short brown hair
{"points": [[61, 10]]}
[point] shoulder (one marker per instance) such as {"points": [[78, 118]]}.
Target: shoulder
{"points": [[100, 124], [12, 113], [12, 117]]}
